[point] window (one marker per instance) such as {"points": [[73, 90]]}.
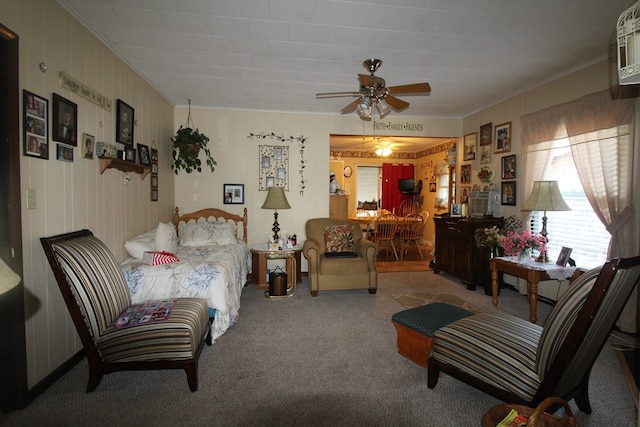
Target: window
{"points": [[368, 184], [579, 228], [442, 186]]}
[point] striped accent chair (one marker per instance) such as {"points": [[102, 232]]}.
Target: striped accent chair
{"points": [[522, 363], [96, 295]]}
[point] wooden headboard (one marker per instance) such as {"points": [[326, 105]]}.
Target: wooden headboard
{"points": [[211, 213]]}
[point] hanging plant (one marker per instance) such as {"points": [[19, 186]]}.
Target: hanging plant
{"points": [[187, 143]]}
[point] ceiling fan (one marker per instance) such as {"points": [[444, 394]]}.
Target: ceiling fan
{"points": [[374, 93]]}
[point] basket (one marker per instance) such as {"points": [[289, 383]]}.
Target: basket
{"points": [[536, 417]]}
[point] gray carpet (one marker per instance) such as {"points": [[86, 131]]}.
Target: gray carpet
{"points": [[325, 361]]}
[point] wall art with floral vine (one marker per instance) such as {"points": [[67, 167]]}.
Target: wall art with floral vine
{"points": [[301, 140]]}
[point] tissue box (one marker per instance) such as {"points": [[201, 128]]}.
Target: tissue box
{"points": [[158, 258]]}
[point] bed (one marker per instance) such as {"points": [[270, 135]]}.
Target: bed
{"points": [[214, 263]]}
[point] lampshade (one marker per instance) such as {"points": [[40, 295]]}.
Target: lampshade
{"points": [[8, 278], [364, 108], [276, 199], [383, 108], [545, 196]]}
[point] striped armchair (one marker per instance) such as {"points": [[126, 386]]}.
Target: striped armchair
{"points": [[117, 335], [523, 363]]}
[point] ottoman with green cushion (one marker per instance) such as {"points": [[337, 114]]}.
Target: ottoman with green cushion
{"points": [[416, 327]]}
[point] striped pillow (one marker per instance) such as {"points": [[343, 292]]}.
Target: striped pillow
{"points": [[95, 279], [562, 317]]}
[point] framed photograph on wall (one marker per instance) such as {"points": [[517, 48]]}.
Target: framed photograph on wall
{"points": [[485, 134], [432, 187], [509, 167], [470, 143], [65, 119], [508, 192], [154, 194], [503, 138], [35, 135], [233, 194], [485, 154], [88, 145], [465, 174], [64, 153], [125, 122], [143, 155], [154, 181]]}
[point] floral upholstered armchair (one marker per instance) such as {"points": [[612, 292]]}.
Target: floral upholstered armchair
{"points": [[339, 257]]}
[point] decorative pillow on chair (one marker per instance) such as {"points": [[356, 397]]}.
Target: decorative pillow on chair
{"points": [[338, 241]]}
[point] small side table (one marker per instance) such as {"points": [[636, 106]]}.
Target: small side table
{"points": [[533, 273], [259, 256]]}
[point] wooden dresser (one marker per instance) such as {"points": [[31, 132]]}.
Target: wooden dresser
{"points": [[456, 251]]}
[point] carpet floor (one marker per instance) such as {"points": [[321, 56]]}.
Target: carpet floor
{"points": [[325, 361]]}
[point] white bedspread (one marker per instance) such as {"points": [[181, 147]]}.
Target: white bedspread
{"points": [[216, 273]]}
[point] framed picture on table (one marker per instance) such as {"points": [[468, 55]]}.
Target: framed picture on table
{"points": [[563, 258]]}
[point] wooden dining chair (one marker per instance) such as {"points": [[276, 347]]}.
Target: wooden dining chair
{"points": [[386, 229], [408, 206], [410, 232]]}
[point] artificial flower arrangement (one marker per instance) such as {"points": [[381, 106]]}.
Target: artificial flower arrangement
{"points": [[485, 174], [521, 243], [488, 237]]}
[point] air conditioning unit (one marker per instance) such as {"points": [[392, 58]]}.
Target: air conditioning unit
{"points": [[484, 203]]}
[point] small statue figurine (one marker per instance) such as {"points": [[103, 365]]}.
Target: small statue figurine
{"points": [[333, 184]]}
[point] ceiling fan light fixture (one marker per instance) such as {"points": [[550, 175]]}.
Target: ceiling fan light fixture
{"points": [[383, 108], [364, 108], [383, 151]]}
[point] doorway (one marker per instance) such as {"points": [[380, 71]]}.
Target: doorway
{"points": [[13, 370]]}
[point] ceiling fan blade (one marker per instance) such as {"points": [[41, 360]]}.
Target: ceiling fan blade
{"points": [[396, 104], [336, 94], [413, 89], [351, 107]]}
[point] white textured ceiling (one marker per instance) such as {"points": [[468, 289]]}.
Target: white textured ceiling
{"points": [[277, 54]]}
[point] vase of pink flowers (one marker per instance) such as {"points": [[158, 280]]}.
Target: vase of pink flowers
{"points": [[521, 244]]}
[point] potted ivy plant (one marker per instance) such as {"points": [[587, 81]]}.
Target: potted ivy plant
{"points": [[187, 143]]}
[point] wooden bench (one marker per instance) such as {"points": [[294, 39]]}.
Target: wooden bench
{"points": [[417, 326]]}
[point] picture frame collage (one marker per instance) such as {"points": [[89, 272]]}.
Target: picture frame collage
{"points": [[153, 162], [60, 124], [274, 167], [489, 141]]}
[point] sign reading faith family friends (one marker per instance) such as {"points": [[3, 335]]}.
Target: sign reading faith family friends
{"points": [[84, 91]]}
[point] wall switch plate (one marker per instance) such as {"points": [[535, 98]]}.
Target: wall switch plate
{"points": [[31, 198]]}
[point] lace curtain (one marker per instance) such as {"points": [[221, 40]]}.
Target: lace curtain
{"points": [[599, 131]]}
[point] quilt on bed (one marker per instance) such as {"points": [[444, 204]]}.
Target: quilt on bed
{"points": [[216, 273]]}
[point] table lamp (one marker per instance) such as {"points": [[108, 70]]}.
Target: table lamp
{"points": [[8, 278], [276, 199], [545, 196]]}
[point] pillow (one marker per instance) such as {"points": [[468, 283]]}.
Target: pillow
{"points": [[137, 246], [339, 238], [166, 238], [208, 233]]}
